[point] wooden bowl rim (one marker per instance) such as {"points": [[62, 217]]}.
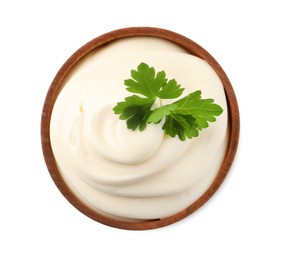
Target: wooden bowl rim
{"points": [[57, 85]]}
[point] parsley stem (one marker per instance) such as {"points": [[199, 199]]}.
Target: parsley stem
{"points": [[160, 102]]}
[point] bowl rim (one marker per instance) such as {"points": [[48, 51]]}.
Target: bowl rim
{"points": [[57, 84]]}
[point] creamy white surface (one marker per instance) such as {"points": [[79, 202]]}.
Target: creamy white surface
{"points": [[132, 174]]}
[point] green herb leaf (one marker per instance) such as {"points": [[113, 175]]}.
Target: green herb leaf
{"points": [[203, 110], [186, 116], [135, 110], [183, 118], [181, 125], [145, 82], [160, 112], [170, 90]]}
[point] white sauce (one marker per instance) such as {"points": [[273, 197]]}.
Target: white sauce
{"points": [[131, 174]]}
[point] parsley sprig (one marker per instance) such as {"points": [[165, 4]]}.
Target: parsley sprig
{"points": [[183, 118]]}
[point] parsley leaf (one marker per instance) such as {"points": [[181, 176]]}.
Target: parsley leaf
{"points": [[181, 125], [170, 90], [183, 118], [145, 82], [204, 110], [187, 116], [158, 113], [135, 110]]}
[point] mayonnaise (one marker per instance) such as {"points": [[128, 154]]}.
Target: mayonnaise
{"points": [[133, 175]]}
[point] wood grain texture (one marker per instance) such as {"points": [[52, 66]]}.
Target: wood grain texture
{"points": [[57, 85]]}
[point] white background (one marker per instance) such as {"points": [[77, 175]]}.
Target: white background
{"points": [[242, 221]]}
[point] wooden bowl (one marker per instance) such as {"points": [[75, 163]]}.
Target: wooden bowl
{"points": [[57, 85]]}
